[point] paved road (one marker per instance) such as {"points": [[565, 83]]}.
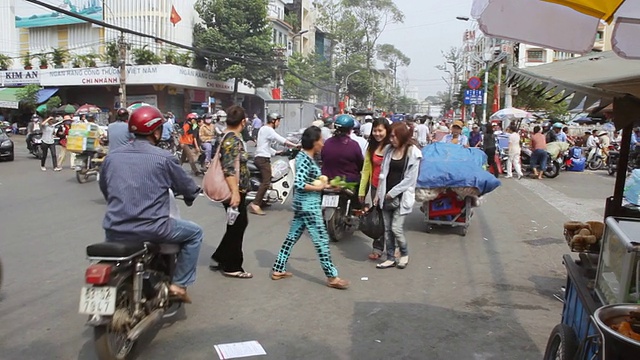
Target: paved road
{"points": [[488, 295]]}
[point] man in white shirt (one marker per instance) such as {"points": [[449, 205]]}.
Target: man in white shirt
{"points": [[422, 132], [365, 129], [266, 135]]}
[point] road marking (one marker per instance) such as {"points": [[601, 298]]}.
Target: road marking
{"points": [[574, 209]]}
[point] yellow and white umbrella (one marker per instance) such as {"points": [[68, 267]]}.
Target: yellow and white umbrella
{"points": [[565, 25]]}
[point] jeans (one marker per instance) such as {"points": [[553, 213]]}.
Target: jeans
{"points": [[394, 233], [45, 150], [264, 165], [539, 159], [207, 146], [229, 253], [378, 244], [189, 235]]}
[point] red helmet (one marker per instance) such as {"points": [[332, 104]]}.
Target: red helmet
{"points": [[144, 120], [192, 116]]}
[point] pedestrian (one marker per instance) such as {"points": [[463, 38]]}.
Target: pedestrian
{"points": [[489, 147], [63, 132], [539, 154], [380, 133], [475, 137], [514, 160], [48, 144], [422, 132], [189, 144], [266, 136], [396, 192], [307, 212], [256, 124], [456, 136], [118, 131], [228, 256]]}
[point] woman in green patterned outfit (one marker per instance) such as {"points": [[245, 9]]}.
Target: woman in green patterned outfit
{"points": [[308, 212]]}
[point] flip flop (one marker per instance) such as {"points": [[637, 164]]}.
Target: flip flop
{"points": [[181, 296], [238, 275], [281, 276]]}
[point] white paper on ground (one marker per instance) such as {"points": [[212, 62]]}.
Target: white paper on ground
{"points": [[239, 350]]}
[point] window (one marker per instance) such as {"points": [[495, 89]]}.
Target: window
{"points": [[600, 36], [275, 36], [280, 38], [535, 55]]}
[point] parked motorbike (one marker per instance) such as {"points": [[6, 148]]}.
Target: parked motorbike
{"points": [[553, 165], [282, 177], [127, 292], [341, 218], [36, 145]]}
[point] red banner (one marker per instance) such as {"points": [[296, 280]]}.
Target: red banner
{"points": [[276, 94]]}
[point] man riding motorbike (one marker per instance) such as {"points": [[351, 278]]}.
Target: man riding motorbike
{"points": [[135, 182], [33, 128], [266, 135], [118, 131], [207, 135]]}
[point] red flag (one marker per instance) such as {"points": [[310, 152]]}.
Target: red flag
{"points": [[175, 17], [496, 99]]}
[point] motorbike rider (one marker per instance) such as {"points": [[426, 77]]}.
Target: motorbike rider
{"points": [[365, 129], [167, 133], [32, 129], [355, 136], [341, 155], [135, 181], [207, 135], [188, 142], [118, 131], [592, 144], [549, 134], [266, 135], [221, 122]]}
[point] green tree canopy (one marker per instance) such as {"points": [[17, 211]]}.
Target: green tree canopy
{"points": [[315, 71]]}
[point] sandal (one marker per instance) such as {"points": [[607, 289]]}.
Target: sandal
{"points": [[238, 275], [280, 276], [254, 209], [180, 295], [337, 283], [374, 256]]}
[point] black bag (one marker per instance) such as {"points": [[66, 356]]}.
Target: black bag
{"points": [[372, 224]]}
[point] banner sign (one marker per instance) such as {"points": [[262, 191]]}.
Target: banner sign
{"points": [[19, 77], [29, 15]]}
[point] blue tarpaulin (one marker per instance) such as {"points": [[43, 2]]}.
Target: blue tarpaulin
{"points": [[46, 94], [450, 165]]}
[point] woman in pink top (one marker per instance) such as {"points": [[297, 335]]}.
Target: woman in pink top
{"points": [[539, 155]]}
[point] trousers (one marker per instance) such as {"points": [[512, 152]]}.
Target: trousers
{"points": [[229, 253], [313, 222], [45, 149], [264, 165]]}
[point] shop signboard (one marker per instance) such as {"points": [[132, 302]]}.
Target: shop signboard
{"points": [[29, 15], [19, 77], [165, 74]]}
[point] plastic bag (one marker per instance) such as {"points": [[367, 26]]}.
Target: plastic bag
{"points": [[372, 224], [632, 188]]}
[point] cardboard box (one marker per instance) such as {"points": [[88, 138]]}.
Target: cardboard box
{"points": [[80, 144], [88, 130]]}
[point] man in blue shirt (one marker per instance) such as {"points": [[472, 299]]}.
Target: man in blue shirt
{"points": [[560, 135], [135, 181], [118, 131]]}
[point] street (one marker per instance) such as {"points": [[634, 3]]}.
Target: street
{"points": [[488, 295]]}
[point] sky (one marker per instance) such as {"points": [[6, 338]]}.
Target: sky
{"points": [[430, 27]]}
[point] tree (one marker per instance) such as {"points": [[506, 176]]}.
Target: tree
{"points": [[307, 76], [392, 59], [28, 96], [236, 37]]}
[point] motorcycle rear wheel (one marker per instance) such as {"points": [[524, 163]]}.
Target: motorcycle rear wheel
{"points": [[595, 164], [552, 171], [336, 226], [110, 343]]}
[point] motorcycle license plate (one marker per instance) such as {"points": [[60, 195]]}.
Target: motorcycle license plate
{"points": [[330, 201], [97, 300]]}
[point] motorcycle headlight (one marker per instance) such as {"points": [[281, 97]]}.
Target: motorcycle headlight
{"points": [[6, 143]]}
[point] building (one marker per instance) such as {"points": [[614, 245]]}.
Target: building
{"points": [[282, 30]]}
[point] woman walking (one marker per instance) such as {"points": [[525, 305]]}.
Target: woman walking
{"points": [[396, 192], [378, 140], [307, 212], [228, 256], [48, 144], [62, 133]]}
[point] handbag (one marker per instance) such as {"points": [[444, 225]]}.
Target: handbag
{"points": [[372, 223], [393, 204], [214, 183]]}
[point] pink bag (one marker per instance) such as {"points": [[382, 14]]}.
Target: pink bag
{"points": [[214, 183]]}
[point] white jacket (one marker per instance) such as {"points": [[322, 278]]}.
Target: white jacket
{"points": [[406, 187]]}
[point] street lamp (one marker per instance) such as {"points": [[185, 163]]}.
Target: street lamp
{"points": [[299, 34]]}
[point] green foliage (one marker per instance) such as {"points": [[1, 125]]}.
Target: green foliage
{"points": [[392, 57], [183, 59], [293, 19], [59, 56], [313, 68], [112, 54], [43, 59], [53, 103], [28, 96], [144, 56], [26, 60], [5, 62], [241, 29]]}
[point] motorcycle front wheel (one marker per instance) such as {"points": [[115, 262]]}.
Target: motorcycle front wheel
{"points": [[337, 226], [111, 339], [552, 170], [82, 178], [595, 164]]}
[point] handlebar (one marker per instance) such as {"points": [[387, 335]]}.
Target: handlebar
{"points": [[188, 201]]}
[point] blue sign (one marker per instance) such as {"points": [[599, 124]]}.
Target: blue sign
{"points": [[473, 97]]}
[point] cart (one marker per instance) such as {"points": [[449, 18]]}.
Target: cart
{"points": [[448, 210]]}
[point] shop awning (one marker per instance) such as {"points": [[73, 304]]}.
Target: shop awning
{"points": [[9, 97], [588, 79], [46, 94]]}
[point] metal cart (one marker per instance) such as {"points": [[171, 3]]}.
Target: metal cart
{"points": [[448, 210]]}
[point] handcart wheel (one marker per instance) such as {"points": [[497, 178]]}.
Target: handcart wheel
{"points": [[562, 343], [428, 229], [463, 232]]}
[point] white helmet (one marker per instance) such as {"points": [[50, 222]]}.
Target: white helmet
{"points": [[222, 115], [368, 117]]}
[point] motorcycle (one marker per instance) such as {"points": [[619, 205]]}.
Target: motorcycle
{"points": [[282, 177], [36, 145], [553, 165], [87, 164], [596, 159], [339, 216], [127, 291]]}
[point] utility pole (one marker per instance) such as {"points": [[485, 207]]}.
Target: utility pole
{"points": [[122, 46]]}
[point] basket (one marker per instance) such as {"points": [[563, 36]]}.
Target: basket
{"points": [[581, 248]]}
